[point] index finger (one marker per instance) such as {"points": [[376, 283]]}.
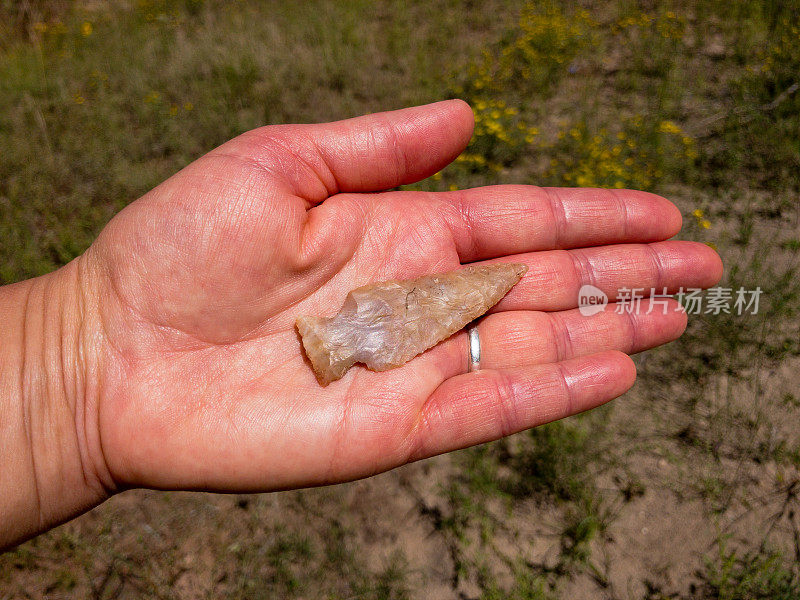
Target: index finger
{"points": [[494, 221]]}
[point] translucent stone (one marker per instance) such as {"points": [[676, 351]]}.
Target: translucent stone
{"points": [[384, 325]]}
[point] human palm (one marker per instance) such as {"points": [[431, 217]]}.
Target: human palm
{"points": [[204, 383]]}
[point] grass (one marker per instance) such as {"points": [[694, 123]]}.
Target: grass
{"points": [[733, 576], [553, 463], [696, 100], [89, 122]]}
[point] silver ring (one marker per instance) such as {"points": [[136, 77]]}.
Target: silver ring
{"points": [[474, 349]]}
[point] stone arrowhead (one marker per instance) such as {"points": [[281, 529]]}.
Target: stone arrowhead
{"points": [[384, 325]]}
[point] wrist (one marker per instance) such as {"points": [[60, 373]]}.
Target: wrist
{"points": [[49, 385]]}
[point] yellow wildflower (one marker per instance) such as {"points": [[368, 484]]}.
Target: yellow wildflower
{"points": [[668, 127]]}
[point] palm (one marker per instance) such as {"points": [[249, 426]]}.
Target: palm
{"points": [[207, 384]]}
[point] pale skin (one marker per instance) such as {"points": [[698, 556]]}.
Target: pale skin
{"points": [[166, 355]]}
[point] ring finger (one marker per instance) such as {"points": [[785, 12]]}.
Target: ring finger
{"points": [[521, 338]]}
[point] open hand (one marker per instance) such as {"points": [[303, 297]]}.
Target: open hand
{"points": [[201, 381]]}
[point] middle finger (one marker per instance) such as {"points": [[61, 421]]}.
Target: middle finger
{"points": [[554, 277]]}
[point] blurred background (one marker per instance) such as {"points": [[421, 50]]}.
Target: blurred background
{"points": [[687, 487]]}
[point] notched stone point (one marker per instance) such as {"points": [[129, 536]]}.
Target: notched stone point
{"points": [[384, 325]]}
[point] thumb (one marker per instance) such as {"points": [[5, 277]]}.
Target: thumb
{"points": [[369, 153]]}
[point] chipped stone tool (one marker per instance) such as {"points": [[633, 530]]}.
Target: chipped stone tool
{"points": [[384, 325]]}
